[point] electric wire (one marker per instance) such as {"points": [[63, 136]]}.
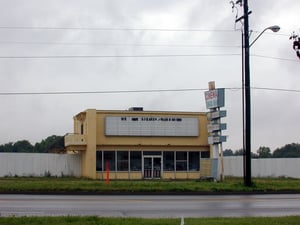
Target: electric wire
{"points": [[113, 29], [130, 29], [116, 56], [138, 56], [140, 91], [276, 89], [276, 58], [118, 44], [102, 92]]}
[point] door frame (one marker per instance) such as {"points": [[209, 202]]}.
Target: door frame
{"points": [[152, 157]]}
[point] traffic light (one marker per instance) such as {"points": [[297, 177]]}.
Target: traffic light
{"points": [[296, 44]]}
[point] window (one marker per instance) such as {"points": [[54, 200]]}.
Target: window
{"points": [[81, 129], [135, 161], [99, 161], [181, 161], [168, 161], [110, 157], [194, 161], [205, 154], [152, 153], [122, 161]]}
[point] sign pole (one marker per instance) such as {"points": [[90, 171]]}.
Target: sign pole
{"points": [[215, 99], [222, 159]]}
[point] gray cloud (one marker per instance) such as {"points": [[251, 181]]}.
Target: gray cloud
{"points": [[35, 117]]}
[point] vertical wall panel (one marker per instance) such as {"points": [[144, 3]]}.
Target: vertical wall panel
{"points": [[35, 164], [272, 167]]}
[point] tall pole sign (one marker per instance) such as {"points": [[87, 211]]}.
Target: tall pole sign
{"points": [[215, 99]]}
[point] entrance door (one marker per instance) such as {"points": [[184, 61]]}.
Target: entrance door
{"points": [[152, 167]]}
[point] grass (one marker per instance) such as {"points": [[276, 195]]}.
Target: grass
{"points": [[79, 185], [73, 185], [93, 220]]}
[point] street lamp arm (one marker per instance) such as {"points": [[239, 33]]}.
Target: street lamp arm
{"points": [[274, 28]]}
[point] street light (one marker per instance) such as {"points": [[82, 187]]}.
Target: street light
{"points": [[274, 28], [247, 95]]}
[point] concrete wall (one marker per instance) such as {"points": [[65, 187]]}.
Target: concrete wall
{"points": [[35, 164], [289, 167]]}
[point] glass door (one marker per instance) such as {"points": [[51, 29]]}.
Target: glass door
{"points": [[156, 167], [148, 167], [152, 167]]}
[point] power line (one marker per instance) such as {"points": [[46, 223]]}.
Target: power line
{"points": [[138, 91], [138, 56], [118, 44], [276, 89], [115, 56], [266, 89], [101, 92], [128, 29], [277, 58], [112, 29]]}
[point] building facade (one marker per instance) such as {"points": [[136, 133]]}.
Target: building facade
{"points": [[136, 144]]}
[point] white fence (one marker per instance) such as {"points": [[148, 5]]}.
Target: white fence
{"points": [[275, 167], [36, 164]]}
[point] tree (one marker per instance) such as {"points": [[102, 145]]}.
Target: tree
{"points": [[228, 152], [50, 143], [264, 152], [7, 147], [23, 146], [296, 43], [287, 151], [239, 152]]}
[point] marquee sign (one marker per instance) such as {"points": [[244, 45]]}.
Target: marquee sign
{"points": [[216, 114], [215, 98], [213, 127], [212, 140], [151, 126]]}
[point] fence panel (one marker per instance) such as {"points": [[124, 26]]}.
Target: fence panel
{"points": [[36, 164], [272, 167]]}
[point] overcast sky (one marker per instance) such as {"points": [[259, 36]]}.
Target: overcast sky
{"points": [[190, 42]]}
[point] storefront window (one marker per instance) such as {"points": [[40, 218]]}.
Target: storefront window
{"points": [[110, 157], [135, 161], [168, 161], [181, 161], [194, 161], [122, 161], [99, 161]]}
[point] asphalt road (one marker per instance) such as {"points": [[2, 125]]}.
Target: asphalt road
{"points": [[150, 206]]}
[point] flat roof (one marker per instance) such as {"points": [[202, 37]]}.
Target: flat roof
{"points": [[151, 112]]}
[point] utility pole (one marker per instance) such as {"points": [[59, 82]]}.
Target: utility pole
{"points": [[247, 178], [246, 100]]}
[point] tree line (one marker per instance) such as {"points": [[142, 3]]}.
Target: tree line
{"points": [[287, 151], [52, 144]]}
